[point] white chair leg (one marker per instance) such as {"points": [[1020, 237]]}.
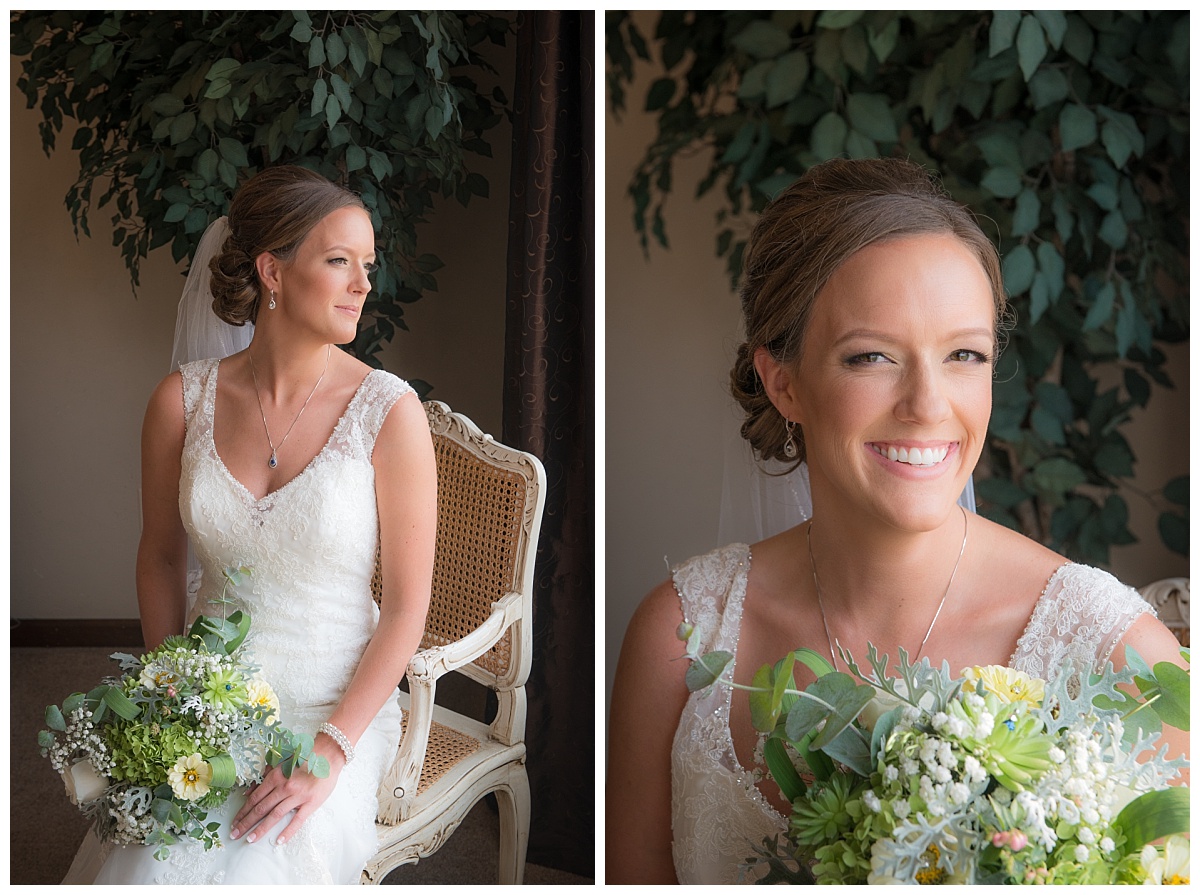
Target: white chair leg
{"points": [[513, 802]]}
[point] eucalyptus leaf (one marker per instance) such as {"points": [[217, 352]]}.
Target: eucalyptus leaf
{"points": [[705, 670]]}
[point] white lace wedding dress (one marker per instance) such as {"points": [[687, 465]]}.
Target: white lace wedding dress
{"points": [[717, 813], [311, 548]]}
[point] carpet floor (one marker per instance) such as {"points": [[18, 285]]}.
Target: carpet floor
{"points": [[46, 828]]}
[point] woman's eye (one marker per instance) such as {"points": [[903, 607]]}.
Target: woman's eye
{"points": [[966, 355], [867, 357]]}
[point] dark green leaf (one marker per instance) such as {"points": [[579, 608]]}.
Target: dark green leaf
{"points": [[1019, 268], [851, 748], [786, 78], [176, 212], [1056, 476], [1113, 230], [1047, 87], [1175, 532], [762, 39], [1026, 213], [837, 19], [1076, 127], [829, 136], [660, 94], [335, 50], [871, 116], [1002, 182], [167, 104], [1178, 490], [1055, 25], [1101, 308], [882, 43], [1079, 39], [1003, 30], [1031, 45], [1137, 386], [1002, 492], [222, 68]]}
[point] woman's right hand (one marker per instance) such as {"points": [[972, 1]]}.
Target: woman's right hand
{"points": [[647, 700]]}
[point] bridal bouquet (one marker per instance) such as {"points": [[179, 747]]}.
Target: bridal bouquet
{"points": [[990, 777], [148, 754]]}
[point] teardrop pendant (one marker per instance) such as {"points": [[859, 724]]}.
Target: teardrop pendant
{"points": [[272, 462]]}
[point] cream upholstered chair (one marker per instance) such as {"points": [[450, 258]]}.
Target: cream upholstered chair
{"points": [[1172, 597], [490, 500]]}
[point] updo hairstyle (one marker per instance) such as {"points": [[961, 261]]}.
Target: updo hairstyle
{"points": [[802, 237], [272, 212]]}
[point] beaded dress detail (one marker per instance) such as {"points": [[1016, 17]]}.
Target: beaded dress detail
{"points": [[717, 812], [311, 548]]}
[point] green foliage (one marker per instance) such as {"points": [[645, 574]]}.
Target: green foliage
{"points": [[1067, 133], [175, 109]]}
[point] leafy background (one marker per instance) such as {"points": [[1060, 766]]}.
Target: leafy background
{"points": [[1066, 132], [176, 108]]}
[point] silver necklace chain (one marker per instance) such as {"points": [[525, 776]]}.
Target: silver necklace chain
{"points": [[936, 614], [274, 461]]}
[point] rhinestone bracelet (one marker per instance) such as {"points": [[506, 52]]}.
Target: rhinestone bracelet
{"points": [[338, 737]]}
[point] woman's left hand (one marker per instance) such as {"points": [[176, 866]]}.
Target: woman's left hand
{"points": [[268, 802]]}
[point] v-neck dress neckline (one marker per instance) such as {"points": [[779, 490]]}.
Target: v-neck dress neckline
{"points": [[272, 495]]}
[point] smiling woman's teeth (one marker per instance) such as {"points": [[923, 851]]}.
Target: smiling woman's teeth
{"points": [[914, 456]]}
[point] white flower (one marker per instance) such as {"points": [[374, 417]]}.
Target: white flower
{"points": [[1057, 755], [1107, 845], [1171, 868], [984, 726], [891, 773], [190, 778], [872, 801], [946, 755], [83, 783], [1087, 835], [941, 774], [900, 808], [1081, 853], [960, 793], [882, 703]]}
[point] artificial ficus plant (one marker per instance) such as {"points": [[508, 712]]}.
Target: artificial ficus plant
{"points": [[1067, 133], [175, 109]]}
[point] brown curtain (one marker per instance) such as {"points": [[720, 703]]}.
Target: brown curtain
{"points": [[549, 410]]}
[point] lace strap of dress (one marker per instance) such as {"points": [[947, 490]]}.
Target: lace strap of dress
{"points": [[1078, 621], [704, 585], [379, 391], [195, 377]]}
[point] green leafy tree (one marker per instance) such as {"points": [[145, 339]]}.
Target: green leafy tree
{"points": [[1066, 132], [175, 109]]}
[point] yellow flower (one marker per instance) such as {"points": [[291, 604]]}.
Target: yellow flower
{"points": [[260, 696], [1171, 867], [190, 778], [1008, 684]]}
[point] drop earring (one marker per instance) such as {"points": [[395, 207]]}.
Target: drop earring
{"points": [[272, 304], [789, 446]]}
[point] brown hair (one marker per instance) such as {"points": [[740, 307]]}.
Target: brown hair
{"points": [[272, 212], [806, 233]]}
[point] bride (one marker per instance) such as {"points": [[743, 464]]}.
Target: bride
{"points": [[872, 306], [298, 462]]}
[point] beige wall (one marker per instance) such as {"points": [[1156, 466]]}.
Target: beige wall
{"points": [[85, 355], [671, 336]]}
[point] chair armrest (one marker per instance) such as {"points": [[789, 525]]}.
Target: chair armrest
{"points": [[430, 664]]}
